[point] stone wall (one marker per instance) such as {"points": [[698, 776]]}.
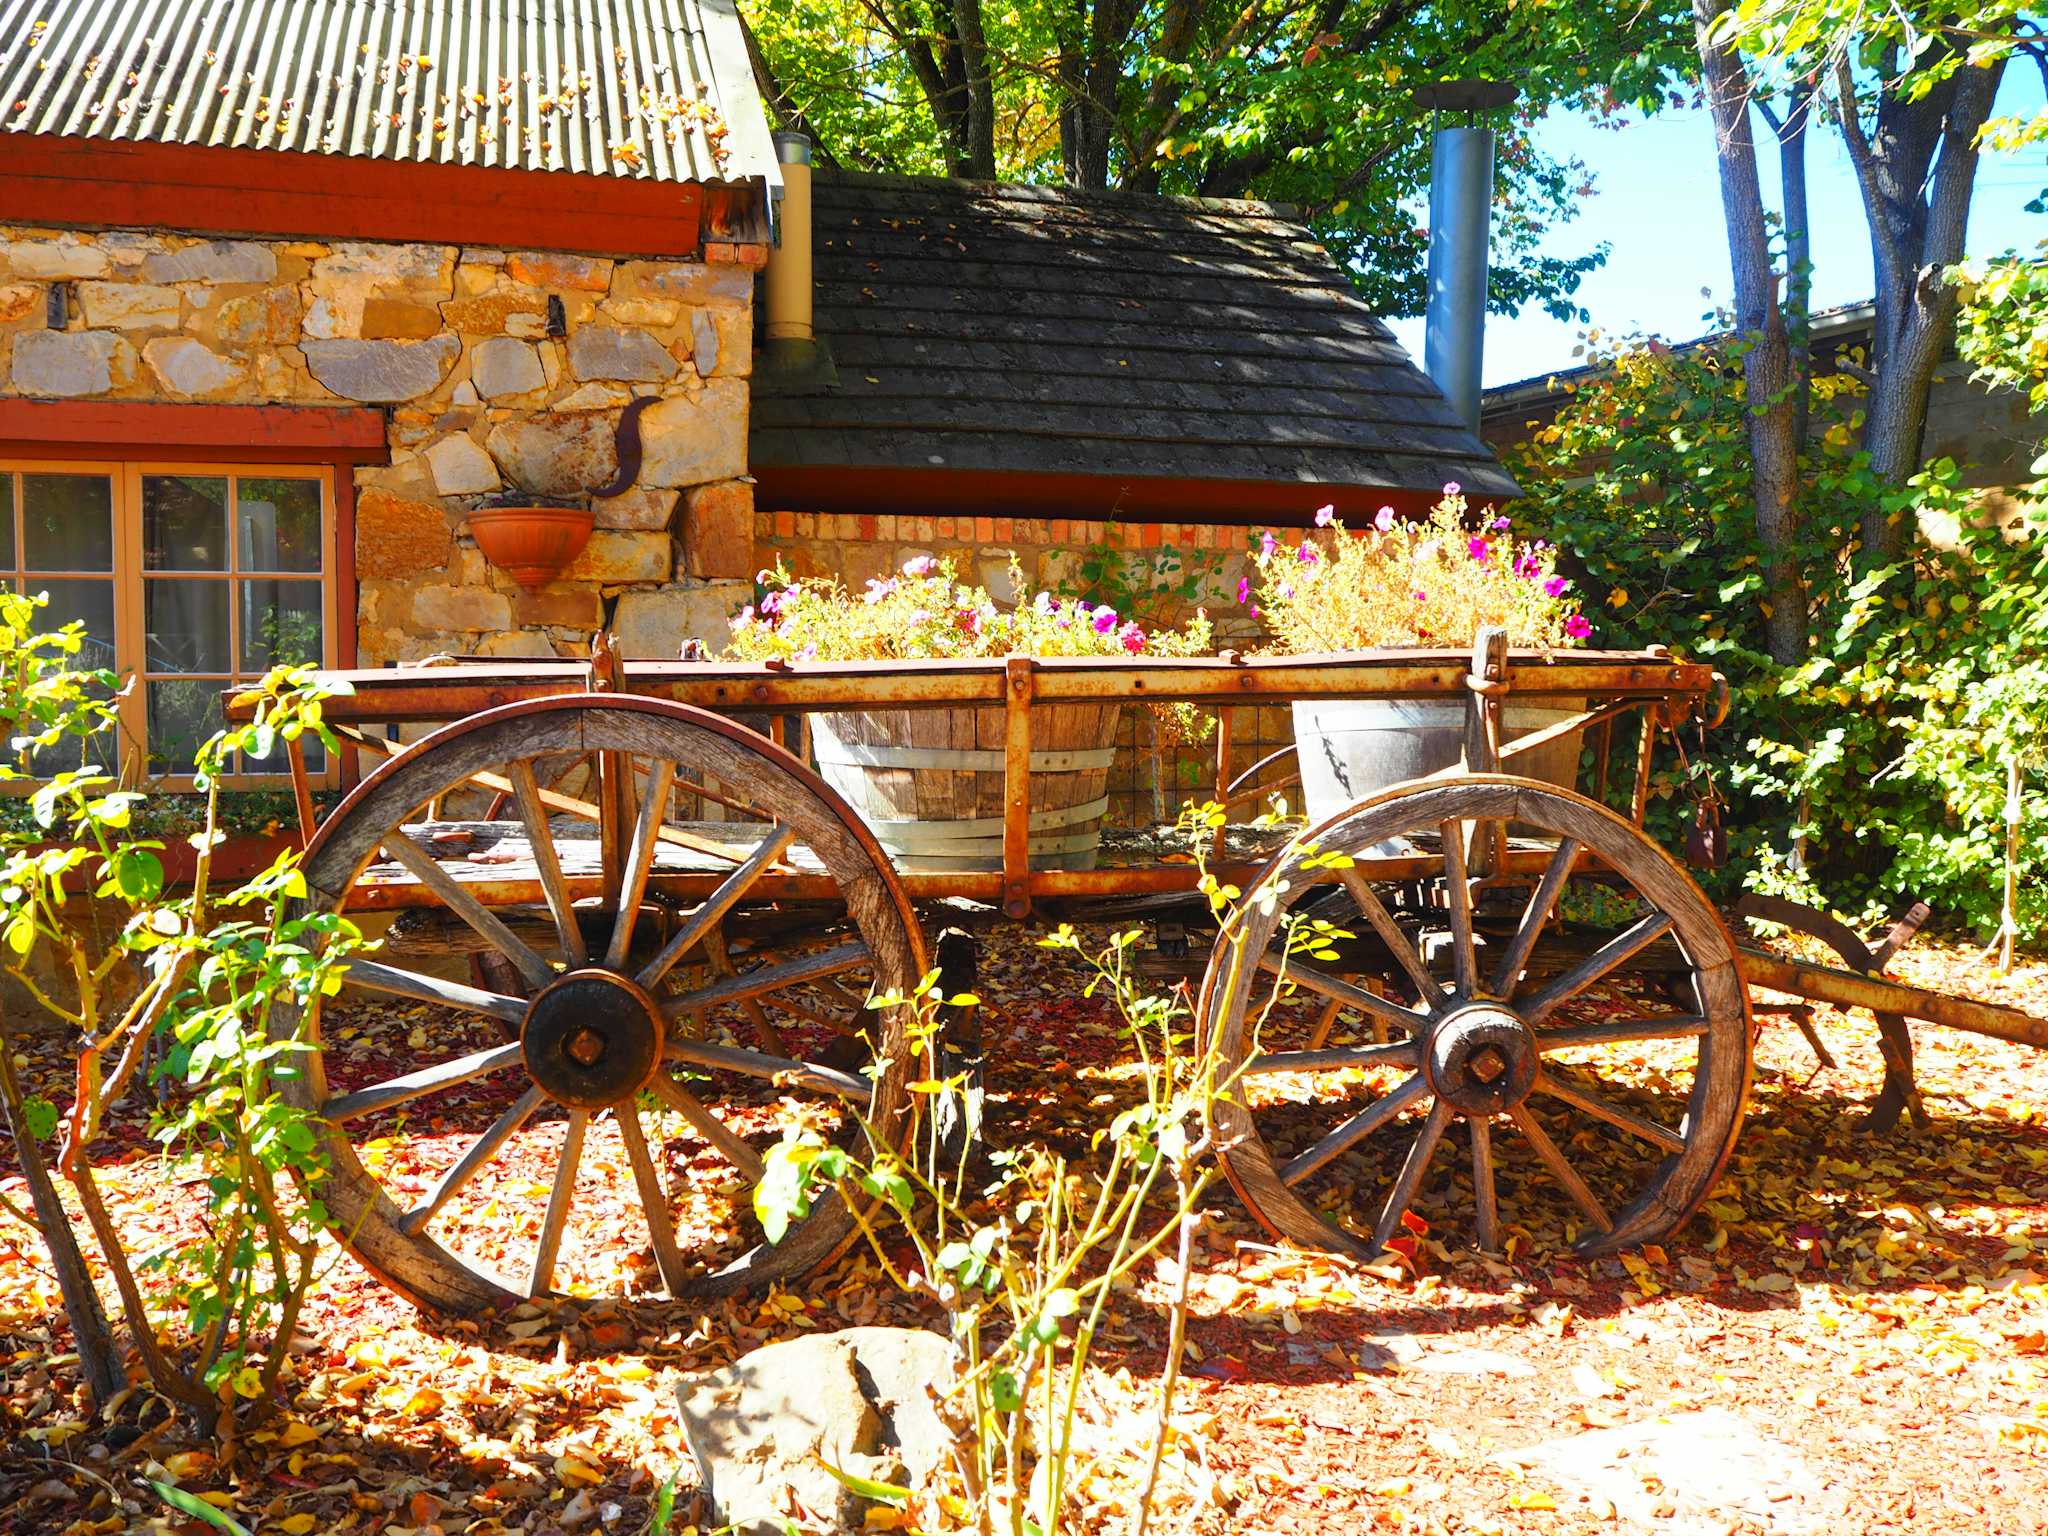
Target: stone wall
{"points": [[456, 343], [1177, 566]]}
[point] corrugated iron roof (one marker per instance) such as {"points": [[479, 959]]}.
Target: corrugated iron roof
{"points": [[657, 89]]}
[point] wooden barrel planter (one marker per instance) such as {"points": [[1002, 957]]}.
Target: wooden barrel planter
{"points": [[930, 781]]}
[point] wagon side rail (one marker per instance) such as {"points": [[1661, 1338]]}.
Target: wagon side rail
{"points": [[1610, 683]]}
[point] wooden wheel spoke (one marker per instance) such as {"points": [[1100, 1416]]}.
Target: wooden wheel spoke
{"points": [[1348, 992], [1353, 1131], [375, 976], [769, 978], [668, 1258], [549, 1245], [1326, 1021], [1677, 1026], [1485, 1202], [707, 1125], [639, 860], [716, 905], [1639, 935], [1578, 1097], [421, 865], [1428, 992], [1405, 1053], [417, 1085], [481, 1151], [737, 1058], [1560, 1168], [1413, 1167], [1458, 891], [548, 861], [1541, 902]]}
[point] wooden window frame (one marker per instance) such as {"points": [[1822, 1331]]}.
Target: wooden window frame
{"points": [[126, 474]]}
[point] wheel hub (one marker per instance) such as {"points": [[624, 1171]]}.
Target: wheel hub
{"points": [[592, 1039], [1482, 1060]]}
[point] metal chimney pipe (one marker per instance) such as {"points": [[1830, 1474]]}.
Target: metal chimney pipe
{"points": [[1460, 204], [789, 263]]}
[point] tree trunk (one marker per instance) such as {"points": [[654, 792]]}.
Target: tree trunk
{"points": [[99, 1357], [1767, 366], [980, 134], [1917, 172], [1791, 134]]}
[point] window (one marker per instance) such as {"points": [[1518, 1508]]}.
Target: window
{"points": [[188, 578]]}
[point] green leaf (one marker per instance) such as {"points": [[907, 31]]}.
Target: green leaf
{"points": [[1005, 1392], [40, 1116], [197, 1508], [664, 1505], [866, 1487]]}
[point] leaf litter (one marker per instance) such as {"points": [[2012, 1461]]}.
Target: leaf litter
{"points": [[1874, 1306]]}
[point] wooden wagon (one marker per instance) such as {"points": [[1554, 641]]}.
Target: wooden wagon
{"points": [[1509, 936]]}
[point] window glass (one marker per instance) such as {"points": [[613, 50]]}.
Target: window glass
{"points": [[280, 523], [184, 523], [281, 623], [183, 713], [225, 572], [67, 522], [186, 625], [91, 602]]}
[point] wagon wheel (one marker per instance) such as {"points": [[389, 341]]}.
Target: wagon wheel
{"points": [[1331, 1140], [605, 1051]]}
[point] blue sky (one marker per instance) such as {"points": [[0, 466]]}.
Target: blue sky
{"points": [[1657, 202]]}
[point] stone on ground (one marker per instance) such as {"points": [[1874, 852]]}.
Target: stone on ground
{"points": [[761, 1428], [1689, 1474]]}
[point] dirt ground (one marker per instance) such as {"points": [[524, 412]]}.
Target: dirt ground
{"points": [[1852, 1337]]}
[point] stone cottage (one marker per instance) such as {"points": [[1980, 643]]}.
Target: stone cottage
{"points": [[288, 289]]}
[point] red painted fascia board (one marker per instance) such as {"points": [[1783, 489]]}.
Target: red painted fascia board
{"points": [[990, 493], [53, 179], [330, 434]]}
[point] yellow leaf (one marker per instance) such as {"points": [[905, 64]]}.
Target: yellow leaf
{"points": [[219, 1500], [189, 1464], [577, 1474], [424, 1402], [1531, 1501], [297, 1432]]}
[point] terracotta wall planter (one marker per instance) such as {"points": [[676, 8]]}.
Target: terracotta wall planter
{"points": [[531, 541]]}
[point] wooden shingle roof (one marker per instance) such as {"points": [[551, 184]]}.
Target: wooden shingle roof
{"points": [[1013, 331]]}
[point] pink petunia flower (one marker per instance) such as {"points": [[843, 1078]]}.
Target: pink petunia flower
{"points": [[1451, 487], [1528, 565], [877, 590], [1420, 597], [1501, 525], [1383, 520], [1267, 543], [1557, 586], [1307, 554], [1131, 637], [919, 565], [1577, 627], [1326, 515], [744, 617], [809, 652], [1105, 619], [1478, 549], [1244, 589]]}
